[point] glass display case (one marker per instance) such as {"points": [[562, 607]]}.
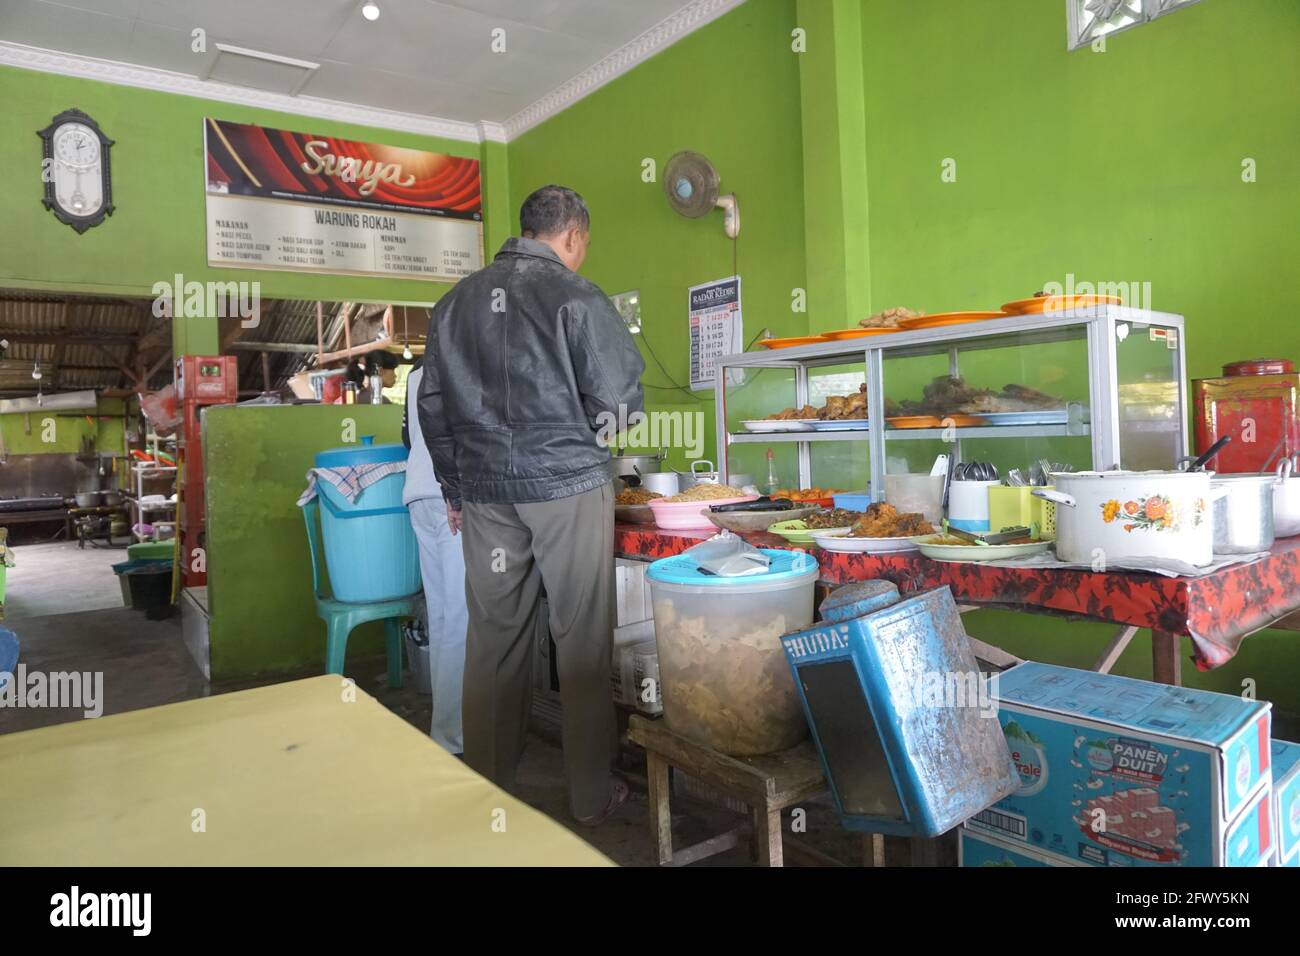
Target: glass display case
{"points": [[1095, 388]]}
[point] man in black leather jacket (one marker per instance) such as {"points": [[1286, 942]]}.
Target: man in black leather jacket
{"points": [[526, 362]]}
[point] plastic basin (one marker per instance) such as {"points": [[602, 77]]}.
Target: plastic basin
{"points": [[722, 667]]}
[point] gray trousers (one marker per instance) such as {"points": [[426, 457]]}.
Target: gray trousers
{"points": [[514, 554]]}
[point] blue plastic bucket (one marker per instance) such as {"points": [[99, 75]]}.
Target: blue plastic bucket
{"points": [[370, 547]]}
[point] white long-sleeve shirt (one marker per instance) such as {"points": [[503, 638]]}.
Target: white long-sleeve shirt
{"points": [[421, 482]]}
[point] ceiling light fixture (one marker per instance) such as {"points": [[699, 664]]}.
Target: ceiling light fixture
{"points": [[370, 10]]}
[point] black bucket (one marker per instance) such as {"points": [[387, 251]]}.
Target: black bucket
{"points": [[151, 591]]}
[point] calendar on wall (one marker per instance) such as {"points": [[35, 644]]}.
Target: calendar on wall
{"points": [[716, 327]]}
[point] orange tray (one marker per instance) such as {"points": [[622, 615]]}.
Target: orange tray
{"points": [[914, 421], [1060, 303], [934, 421], [940, 319], [856, 333], [793, 341]]}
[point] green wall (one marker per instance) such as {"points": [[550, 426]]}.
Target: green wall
{"points": [[1122, 166], [158, 228], [731, 92], [24, 433], [1116, 166], [263, 617]]}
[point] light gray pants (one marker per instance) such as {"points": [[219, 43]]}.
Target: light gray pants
{"points": [[514, 554], [442, 567]]}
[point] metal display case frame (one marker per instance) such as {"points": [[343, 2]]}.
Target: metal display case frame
{"points": [[1102, 421]]}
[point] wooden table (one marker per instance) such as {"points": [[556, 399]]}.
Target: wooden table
{"points": [[311, 772], [1216, 610], [767, 784], [10, 518]]}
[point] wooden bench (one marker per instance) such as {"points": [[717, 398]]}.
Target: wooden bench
{"points": [[767, 784]]}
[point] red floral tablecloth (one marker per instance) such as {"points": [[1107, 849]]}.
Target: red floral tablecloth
{"points": [[1216, 610]]}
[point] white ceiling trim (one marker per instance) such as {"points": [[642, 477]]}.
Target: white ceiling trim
{"points": [[166, 81], [664, 34], [667, 32], [494, 132]]}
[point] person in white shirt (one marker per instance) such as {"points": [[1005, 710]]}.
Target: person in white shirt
{"points": [[442, 566]]}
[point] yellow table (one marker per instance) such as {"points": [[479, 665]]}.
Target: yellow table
{"points": [[288, 774]]}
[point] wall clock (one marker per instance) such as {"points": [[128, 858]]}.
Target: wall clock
{"points": [[78, 185]]}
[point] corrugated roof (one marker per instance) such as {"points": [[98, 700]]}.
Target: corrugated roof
{"points": [[85, 341], [79, 341]]}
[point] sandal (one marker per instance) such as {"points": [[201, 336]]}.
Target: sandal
{"points": [[618, 793]]}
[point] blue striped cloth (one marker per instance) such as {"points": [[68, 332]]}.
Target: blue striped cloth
{"points": [[350, 481]]}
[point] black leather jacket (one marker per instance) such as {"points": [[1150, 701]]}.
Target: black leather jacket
{"points": [[522, 359]]}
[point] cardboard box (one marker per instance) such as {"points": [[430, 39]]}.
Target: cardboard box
{"points": [[983, 849], [1286, 800], [1122, 772]]}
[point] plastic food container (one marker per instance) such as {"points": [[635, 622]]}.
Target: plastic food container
{"points": [[968, 505], [724, 679], [689, 515], [1014, 506], [917, 493]]}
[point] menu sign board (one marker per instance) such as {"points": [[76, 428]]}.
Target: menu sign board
{"points": [[301, 203], [716, 328]]}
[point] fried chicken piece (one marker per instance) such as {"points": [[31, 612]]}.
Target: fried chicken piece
{"points": [[882, 520], [912, 524], [834, 407], [888, 319], [876, 521]]}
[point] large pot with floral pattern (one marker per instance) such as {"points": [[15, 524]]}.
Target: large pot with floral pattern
{"points": [[1103, 516]]}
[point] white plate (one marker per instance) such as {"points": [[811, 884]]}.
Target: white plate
{"points": [[839, 541], [1051, 416], [841, 425], [777, 425], [962, 553]]}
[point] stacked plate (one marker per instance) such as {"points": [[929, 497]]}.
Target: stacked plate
{"points": [[837, 539]]}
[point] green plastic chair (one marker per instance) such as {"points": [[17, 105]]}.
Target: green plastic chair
{"points": [[342, 618]]}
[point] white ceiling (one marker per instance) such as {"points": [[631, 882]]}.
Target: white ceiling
{"points": [[426, 57]]}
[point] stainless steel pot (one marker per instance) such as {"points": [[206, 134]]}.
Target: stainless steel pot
{"points": [[1243, 517], [1286, 501], [88, 499], [621, 466], [112, 498], [686, 480], [709, 476], [661, 483]]}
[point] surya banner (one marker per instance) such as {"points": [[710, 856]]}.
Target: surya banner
{"points": [[303, 203]]}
